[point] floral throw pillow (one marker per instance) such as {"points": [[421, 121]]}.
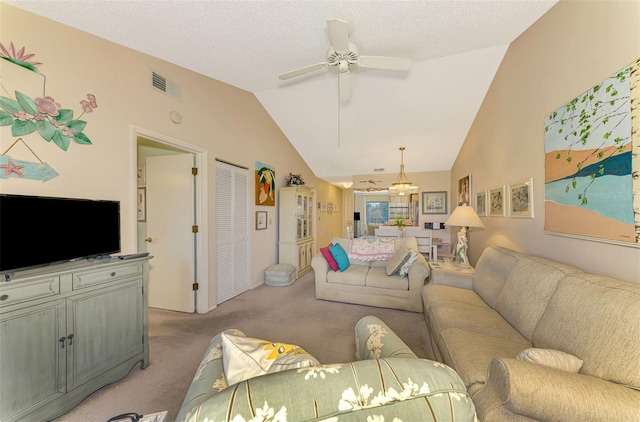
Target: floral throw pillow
{"points": [[404, 269], [245, 357]]}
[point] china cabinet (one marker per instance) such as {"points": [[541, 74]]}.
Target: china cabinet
{"points": [[296, 240]]}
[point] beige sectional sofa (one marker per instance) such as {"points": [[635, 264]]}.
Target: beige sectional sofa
{"points": [[480, 322], [366, 282]]}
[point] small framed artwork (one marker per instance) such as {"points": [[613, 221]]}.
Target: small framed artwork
{"points": [[261, 220], [521, 199], [142, 204], [142, 176], [434, 202], [481, 203], [496, 202], [464, 190]]}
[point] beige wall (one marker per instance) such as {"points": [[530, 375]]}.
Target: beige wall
{"points": [[574, 46], [228, 122], [329, 225]]}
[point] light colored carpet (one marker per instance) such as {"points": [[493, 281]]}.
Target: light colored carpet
{"points": [[289, 314]]}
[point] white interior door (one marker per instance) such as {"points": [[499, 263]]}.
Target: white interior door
{"points": [[232, 231], [170, 220]]}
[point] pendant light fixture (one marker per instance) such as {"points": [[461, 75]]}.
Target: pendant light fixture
{"points": [[402, 183]]}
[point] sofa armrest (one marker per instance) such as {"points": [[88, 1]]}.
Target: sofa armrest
{"points": [[320, 267], [451, 277], [374, 339], [538, 392], [418, 273]]}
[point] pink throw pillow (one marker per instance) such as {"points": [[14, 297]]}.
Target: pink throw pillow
{"points": [[330, 259]]}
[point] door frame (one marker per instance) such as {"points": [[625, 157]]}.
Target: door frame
{"points": [[201, 209]]}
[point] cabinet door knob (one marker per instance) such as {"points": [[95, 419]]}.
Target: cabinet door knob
{"points": [[4, 297], [148, 239], [70, 338], [113, 274], [61, 340]]}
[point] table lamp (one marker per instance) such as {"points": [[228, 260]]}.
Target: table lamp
{"points": [[463, 216]]}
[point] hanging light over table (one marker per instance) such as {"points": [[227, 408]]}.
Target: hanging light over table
{"points": [[402, 183]]}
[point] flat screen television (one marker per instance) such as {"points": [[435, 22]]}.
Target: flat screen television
{"points": [[37, 231]]}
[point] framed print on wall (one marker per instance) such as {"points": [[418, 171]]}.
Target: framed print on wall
{"points": [[521, 199], [496, 202], [464, 190], [142, 204], [261, 220], [434, 202], [481, 203]]}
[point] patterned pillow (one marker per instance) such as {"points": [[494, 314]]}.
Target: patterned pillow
{"points": [[396, 261], [551, 358], [330, 259], [246, 357], [404, 269], [340, 256]]}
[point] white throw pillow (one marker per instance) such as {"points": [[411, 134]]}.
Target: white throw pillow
{"points": [[404, 269], [551, 358], [246, 357], [396, 261]]}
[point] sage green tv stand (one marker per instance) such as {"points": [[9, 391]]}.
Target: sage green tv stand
{"points": [[67, 330]]}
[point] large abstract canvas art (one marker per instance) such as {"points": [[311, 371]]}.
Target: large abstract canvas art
{"points": [[592, 162]]}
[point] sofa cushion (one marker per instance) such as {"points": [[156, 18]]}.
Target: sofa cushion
{"points": [[596, 319], [340, 256], [491, 272], [395, 262], [330, 259], [355, 275], [406, 242], [527, 290], [551, 358], [246, 357], [470, 353], [377, 277]]}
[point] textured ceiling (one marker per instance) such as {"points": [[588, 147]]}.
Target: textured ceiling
{"points": [[457, 46]]}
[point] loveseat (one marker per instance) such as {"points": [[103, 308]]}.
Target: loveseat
{"points": [[388, 382], [510, 325], [365, 282]]}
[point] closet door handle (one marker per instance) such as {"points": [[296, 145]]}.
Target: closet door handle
{"points": [[61, 340], [70, 338]]}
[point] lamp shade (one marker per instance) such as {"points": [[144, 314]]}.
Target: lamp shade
{"points": [[464, 216]]}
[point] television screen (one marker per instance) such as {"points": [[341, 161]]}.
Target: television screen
{"points": [[38, 230]]}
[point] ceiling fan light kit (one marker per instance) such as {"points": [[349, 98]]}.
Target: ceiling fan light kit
{"points": [[342, 53]]}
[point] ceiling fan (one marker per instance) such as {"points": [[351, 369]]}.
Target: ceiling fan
{"points": [[343, 54]]}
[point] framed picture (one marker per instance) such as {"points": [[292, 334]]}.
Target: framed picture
{"points": [[434, 202], [265, 179], [521, 199], [464, 190], [142, 175], [496, 202], [142, 204], [261, 220], [481, 203]]}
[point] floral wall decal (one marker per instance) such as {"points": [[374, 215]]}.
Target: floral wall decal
{"points": [[43, 114]]}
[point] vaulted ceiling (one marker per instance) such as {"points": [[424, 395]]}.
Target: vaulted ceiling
{"points": [[456, 46]]}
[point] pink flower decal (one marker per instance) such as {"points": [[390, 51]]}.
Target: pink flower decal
{"points": [[68, 132], [48, 105], [89, 105], [21, 115], [18, 57]]}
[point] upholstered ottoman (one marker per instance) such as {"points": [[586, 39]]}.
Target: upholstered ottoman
{"points": [[280, 275]]}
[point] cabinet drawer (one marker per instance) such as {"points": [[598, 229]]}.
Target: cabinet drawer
{"points": [[90, 278], [35, 289]]}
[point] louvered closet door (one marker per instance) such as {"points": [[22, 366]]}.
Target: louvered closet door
{"points": [[232, 231]]}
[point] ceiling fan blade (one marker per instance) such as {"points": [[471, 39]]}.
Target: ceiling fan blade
{"points": [[387, 63], [303, 70], [339, 34], [344, 82]]}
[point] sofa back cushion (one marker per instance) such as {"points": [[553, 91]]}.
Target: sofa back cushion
{"points": [[527, 291], [492, 270], [596, 319]]}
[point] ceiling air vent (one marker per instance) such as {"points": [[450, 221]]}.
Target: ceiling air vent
{"points": [[378, 170], [162, 84]]}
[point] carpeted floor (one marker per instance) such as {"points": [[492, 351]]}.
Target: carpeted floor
{"points": [[290, 314]]}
